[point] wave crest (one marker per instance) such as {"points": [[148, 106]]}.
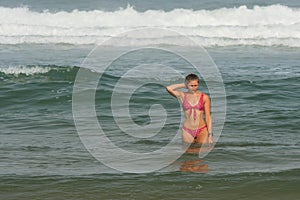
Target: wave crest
{"points": [[266, 26]]}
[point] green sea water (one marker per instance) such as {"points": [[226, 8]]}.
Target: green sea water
{"points": [[256, 156]]}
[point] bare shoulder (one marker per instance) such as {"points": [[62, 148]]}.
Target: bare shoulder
{"points": [[206, 97]]}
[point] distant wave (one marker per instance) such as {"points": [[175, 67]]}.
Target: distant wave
{"points": [[266, 26], [29, 70], [26, 70]]}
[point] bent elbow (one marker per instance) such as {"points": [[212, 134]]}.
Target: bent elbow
{"points": [[170, 91]]}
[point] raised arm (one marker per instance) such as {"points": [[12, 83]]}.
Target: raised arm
{"points": [[173, 89]]}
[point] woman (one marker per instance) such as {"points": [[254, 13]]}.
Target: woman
{"points": [[196, 106]]}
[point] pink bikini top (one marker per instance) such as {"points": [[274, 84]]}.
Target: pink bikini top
{"points": [[187, 106]]}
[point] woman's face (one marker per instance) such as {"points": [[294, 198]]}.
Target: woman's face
{"points": [[193, 85]]}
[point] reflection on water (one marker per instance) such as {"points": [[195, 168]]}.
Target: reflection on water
{"points": [[195, 165]]}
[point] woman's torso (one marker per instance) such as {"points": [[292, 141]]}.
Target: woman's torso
{"points": [[193, 107]]}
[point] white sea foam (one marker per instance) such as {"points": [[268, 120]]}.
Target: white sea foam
{"points": [[27, 70], [267, 26]]}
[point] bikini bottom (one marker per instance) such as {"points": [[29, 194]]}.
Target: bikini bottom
{"points": [[195, 132]]}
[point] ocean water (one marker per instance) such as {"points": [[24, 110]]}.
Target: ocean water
{"points": [[46, 45]]}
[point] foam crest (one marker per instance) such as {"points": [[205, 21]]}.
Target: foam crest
{"points": [[269, 25], [27, 70]]}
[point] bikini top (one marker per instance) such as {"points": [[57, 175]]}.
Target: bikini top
{"points": [[187, 106]]}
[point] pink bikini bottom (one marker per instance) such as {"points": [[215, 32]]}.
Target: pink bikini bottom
{"points": [[195, 132]]}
